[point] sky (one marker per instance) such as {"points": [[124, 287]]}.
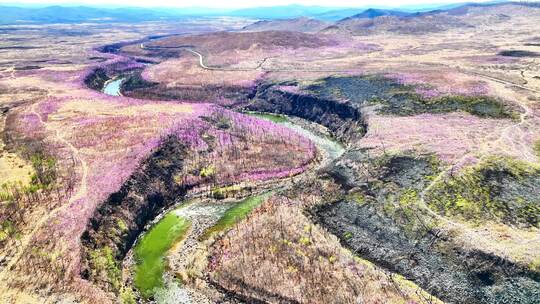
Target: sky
{"points": [[236, 3]]}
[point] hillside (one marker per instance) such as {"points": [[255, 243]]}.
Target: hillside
{"points": [[302, 24], [373, 13], [466, 16], [281, 12]]}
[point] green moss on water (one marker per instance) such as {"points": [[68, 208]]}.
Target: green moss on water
{"points": [[235, 214], [150, 252], [272, 117]]}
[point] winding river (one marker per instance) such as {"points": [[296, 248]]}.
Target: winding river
{"points": [[113, 86], [324, 142], [186, 226]]}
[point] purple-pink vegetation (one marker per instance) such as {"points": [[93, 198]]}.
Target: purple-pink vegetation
{"points": [[30, 124], [109, 170], [47, 107], [190, 133], [112, 146], [426, 92], [249, 149], [146, 75], [115, 64], [449, 136], [432, 84]]}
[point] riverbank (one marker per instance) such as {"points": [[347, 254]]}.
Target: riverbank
{"points": [[187, 258]]}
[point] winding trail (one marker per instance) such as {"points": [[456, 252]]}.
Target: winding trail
{"points": [[499, 80], [264, 60], [204, 66], [259, 67]]}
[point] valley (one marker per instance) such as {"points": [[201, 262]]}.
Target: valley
{"points": [[385, 157]]}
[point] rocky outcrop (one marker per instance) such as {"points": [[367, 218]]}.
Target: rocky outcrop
{"points": [[452, 273], [97, 79], [342, 118], [381, 220]]}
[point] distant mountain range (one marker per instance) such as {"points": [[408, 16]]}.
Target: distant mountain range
{"points": [[73, 14], [63, 14], [372, 21], [337, 13], [418, 23], [301, 24], [282, 12], [373, 13]]}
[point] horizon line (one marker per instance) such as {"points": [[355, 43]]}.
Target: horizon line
{"points": [[85, 4]]}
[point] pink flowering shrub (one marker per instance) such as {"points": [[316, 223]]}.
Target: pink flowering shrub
{"points": [[449, 136], [236, 137]]}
